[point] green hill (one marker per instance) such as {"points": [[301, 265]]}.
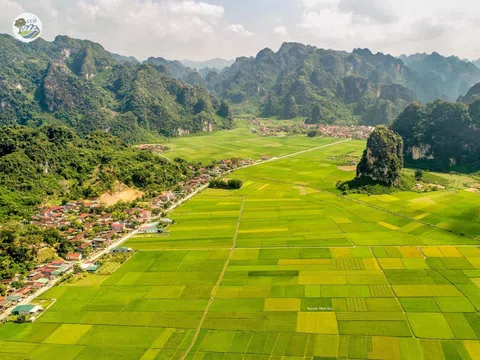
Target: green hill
{"points": [[79, 84], [349, 87], [54, 162]]}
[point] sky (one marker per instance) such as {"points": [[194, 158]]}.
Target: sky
{"points": [[205, 29]]}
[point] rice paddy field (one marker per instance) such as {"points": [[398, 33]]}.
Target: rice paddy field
{"points": [[284, 268]]}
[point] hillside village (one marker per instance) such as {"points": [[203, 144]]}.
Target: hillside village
{"points": [[89, 228], [274, 128]]}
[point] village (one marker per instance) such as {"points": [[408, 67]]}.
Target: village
{"points": [[269, 128], [89, 230]]}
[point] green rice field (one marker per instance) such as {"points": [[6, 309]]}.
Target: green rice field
{"points": [[285, 268]]}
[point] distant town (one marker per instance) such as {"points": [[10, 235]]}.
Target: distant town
{"points": [[276, 128]]}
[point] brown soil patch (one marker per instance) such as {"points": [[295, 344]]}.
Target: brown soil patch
{"points": [[126, 195], [472, 190]]}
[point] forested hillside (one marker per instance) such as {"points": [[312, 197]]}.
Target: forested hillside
{"points": [[348, 87], [472, 95], [441, 135], [79, 84], [363, 87], [52, 161]]}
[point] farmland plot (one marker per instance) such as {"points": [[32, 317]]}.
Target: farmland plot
{"points": [[313, 275]]}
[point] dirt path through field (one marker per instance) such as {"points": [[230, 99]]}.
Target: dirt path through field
{"points": [[217, 285]]}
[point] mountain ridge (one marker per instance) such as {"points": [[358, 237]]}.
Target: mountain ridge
{"points": [[80, 84]]}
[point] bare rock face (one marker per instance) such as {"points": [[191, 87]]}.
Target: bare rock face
{"points": [[382, 160]]}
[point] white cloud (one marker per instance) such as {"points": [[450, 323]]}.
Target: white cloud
{"points": [[170, 28], [198, 29], [196, 8], [391, 26], [280, 30], [239, 30]]}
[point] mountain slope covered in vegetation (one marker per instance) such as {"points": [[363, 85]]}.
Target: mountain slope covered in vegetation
{"points": [[53, 161], [79, 84]]}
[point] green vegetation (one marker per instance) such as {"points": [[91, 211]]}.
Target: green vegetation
{"points": [[19, 249], [231, 184], [79, 84], [324, 86], [53, 162], [382, 160], [314, 274], [441, 136]]}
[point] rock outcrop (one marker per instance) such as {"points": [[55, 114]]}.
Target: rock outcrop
{"points": [[382, 160]]}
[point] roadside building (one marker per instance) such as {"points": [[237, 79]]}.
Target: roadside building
{"points": [[74, 257], [118, 226], [122, 249], [27, 310], [149, 229], [14, 298], [92, 268]]}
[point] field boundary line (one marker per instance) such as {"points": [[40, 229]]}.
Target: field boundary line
{"points": [[370, 206], [217, 285], [295, 153], [393, 292]]}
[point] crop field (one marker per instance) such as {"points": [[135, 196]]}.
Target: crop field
{"points": [[239, 143], [283, 269]]}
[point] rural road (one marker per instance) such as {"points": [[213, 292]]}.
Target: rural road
{"points": [[125, 238]]}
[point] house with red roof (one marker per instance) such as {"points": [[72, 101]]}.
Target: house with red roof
{"points": [[74, 257], [118, 226]]}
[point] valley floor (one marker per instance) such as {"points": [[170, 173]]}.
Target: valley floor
{"points": [[285, 268]]}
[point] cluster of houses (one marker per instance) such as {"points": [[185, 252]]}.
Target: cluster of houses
{"points": [[277, 129], [88, 230], [272, 128], [155, 148], [38, 278], [344, 132]]}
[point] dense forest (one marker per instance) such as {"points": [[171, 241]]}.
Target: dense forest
{"points": [[79, 84], [53, 161], [441, 135]]}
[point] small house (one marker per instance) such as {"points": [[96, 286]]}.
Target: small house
{"points": [[144, 214], [122, 249], [27, 310], [74, 257], [23, 291], [149, 229], [14, 298], [118, 226], [92, 268]]}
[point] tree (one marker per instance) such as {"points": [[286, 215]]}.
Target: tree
{"points": [[312, 133], [418, 174], [234, 184], [474, 110], [382, 160], [414, 116], [316, 115], [269, 107], [224, 110], [20, 23], [291, 108], [21, 319]]}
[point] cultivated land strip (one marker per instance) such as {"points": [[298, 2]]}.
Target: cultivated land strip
{"points": [[217, 285], [369, 205]]}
